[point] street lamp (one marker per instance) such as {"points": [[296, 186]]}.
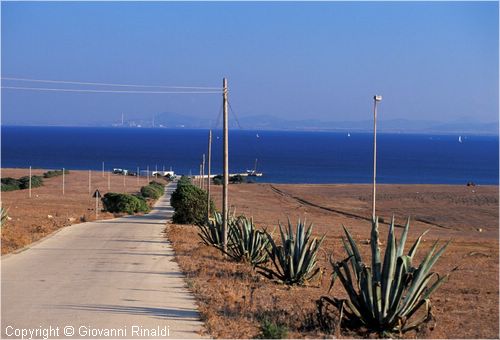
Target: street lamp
{"points": [[376, 99]]}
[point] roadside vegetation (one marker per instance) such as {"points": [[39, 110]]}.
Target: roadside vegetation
{"points": [[54, 173], [133, 203], [124, 203], [189, 203], [385, 296], [11, 184]]}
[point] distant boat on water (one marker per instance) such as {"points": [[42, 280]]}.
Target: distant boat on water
{"points": [[460, 139], [348, 134], [254, 173]]}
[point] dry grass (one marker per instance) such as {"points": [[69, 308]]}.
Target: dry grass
{"points": [[234, 299], [48, 210]]}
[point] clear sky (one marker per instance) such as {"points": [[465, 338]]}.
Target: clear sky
{"points": [[297, 60]]}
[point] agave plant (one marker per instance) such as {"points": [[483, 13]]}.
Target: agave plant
{"points": [[246, 243], [385, 297], [212, 233], [3, 216], [295, 259]]}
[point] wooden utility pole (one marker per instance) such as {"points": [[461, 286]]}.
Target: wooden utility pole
{"points": [[109, 180], [208, 170], [375, 100], [203, 172], [225, 182], [63, 180], [30, 181], [90, 183], [200, 180], [96, 206]]}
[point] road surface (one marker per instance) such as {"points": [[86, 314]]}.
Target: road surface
{"points": [[107, 279]]}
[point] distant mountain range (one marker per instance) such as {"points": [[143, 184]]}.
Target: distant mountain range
{"points": [[269, 122]]}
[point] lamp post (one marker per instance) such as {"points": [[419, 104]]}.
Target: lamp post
{"points": [[376, 99]]}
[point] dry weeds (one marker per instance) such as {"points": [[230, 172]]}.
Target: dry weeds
{"points": [[234, 299]]}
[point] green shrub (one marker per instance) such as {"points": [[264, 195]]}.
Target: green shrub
{"points": [[153, 190], [158, 186], [217, 180], [10, 184], [385, 296], [236, 179], [117, 203], [189, 203], [150, 191], [36, 181], [54, 173], [271, 330]]}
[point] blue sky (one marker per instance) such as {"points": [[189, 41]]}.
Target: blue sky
{"points": [[297, 60]]}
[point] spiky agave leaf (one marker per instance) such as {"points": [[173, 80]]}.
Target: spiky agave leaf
{"points": [[386, 296], [294, 259], [212, 233], [247, 243], [4, 216]]}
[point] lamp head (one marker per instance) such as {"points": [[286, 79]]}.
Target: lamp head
{"points": [[377, 98]]}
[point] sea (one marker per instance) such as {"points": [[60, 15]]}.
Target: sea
{"points": [[282, 156]]}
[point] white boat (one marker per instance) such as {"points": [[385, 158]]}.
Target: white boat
{"points": [[254, 172], [460, 139]]}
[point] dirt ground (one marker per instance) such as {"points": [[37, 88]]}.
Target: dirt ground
{"points": [[235, 301], [48, 209]]}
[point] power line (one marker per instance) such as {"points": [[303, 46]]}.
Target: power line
{"points": [[219, 115], [235, 116], [110, 84], [104, 91]]}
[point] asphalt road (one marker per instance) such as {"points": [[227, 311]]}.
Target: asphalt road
{"points": [[107, 279]]}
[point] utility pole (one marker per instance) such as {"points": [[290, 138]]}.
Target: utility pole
{"points": [[376, 99], [63, 180], [208, 178], [148, 173], [138, 174], [30, 181], [109, 181], [90, 184], [225, 182], [203, 172], [102, 169], [200, 180]]}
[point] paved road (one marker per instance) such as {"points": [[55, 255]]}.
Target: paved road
{"points": [[100, 277]]}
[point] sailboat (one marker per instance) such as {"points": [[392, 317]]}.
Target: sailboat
{"points": [[460, 139], [348, 134], [254, 172]]}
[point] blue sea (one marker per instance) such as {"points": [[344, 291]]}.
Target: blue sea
{"points": [[283, 157]]}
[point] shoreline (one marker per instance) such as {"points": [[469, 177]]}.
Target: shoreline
{"points": [[99, 170]]}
